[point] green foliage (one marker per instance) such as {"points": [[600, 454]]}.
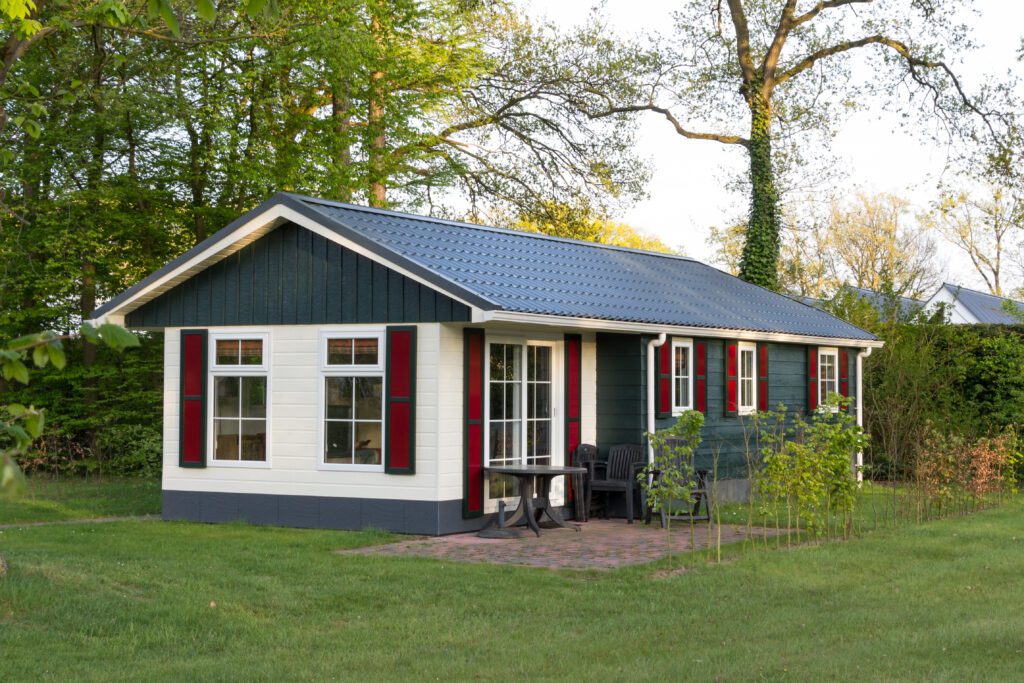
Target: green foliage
{"points": [[21, 425], [967, 377], [760, 258], [807, 471], [130, 449], [669, 479]]}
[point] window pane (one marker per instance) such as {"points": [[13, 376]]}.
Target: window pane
{"points": [[227, 352], [368, 443], [226, 403], [513, 358], [542, 371], [513, 441], [497, 361], [339, 398], [497, 443], [368, 397], [366, 351], [252, 351], [531, 438], [682, 392], [225, 439], [543, 403], [682, 361], [339, 352], [543, 438], [338, 443], [254, 440], [513, 401], [497, 401], [254, 396]]}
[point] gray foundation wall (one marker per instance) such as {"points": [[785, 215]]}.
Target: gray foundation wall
{"points": [[429, 518]]}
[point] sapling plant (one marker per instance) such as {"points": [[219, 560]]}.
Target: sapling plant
{"points": [[670, 478]]}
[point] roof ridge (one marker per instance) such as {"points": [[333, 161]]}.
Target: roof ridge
{"points": [[488, 228], [978, 291]]}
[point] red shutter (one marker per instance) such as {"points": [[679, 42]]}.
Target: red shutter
{"points": [[701, 378], [192, 426], [731, 378], [400, 412], [664, 398], [474, 351], [762, 376], [844, 377], [812, 379], [573, 399]]}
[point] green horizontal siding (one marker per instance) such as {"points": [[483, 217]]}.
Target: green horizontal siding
{"points": [[294, 276], [620, 399]]}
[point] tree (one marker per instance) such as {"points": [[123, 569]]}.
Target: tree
{"points": [[985, 229], [870, 244], [750, 73], [560, 220]]}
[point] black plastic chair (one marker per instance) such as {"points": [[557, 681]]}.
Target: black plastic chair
{"points": [[584, 454], [618, 475]]}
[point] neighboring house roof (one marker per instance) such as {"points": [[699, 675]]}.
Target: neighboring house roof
{"points": [[984, 307], [504, 270], [880, 301]]}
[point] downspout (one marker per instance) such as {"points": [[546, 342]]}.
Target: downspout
{"points": [[651, 383], [861, 355]]}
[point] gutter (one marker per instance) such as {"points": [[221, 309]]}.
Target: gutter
{"points": [[651, 382], [861, 355]]}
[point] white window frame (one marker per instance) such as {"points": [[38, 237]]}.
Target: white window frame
{"points": [[741, 347], [326, 370], [677, 408], [557, 397], [832, 352], [216, 370]]}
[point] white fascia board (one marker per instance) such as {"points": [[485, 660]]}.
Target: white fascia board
{"points": [[621, 326], [246, 234]]}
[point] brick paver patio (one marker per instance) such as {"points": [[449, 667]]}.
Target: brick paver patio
{"points": [[600, 544]]}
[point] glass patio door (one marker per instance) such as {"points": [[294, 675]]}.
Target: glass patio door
{"points": [[520, 410]]}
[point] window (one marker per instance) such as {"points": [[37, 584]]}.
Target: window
{"points": [[239, 383], [828, 374], [748, 374], [520, 412], [682, 376], [353, 400]]}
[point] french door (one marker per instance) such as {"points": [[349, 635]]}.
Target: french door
{"points": [[521, 396]]}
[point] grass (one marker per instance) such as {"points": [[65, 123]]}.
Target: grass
{"points": [[52, 499], [178, 601]]}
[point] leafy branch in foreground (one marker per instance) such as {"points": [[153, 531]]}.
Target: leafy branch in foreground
{"points": [[19, 424]]}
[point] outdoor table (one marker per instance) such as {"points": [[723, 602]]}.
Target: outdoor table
{"points": [[535, 503]]}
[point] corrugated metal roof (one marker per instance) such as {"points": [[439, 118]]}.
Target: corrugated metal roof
{"points": [[987, 308], [529, 273]]}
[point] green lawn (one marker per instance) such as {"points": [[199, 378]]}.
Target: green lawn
{"points": [[49, 499], [134, 601]]}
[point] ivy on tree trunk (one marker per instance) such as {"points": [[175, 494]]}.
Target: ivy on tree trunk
{"points": [[759, 262]]}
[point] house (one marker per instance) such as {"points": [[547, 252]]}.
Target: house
{"points": [[337, 366], [970, 307]]}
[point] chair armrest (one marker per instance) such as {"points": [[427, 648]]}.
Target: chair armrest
{"points": [[595, 466]]}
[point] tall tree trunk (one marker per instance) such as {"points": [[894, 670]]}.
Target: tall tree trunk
{"points": [[343, 151], [378, 189], [760, 257]]}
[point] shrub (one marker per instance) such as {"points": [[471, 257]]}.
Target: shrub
{"points": [[131, 450]]}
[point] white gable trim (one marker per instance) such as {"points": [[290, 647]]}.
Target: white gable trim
{"points": [[682, 331], [255, 228]]}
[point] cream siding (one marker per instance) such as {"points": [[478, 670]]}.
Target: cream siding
{"points": [[294, 428]]}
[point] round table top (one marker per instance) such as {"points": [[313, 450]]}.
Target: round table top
{"points": [[534, 470]]}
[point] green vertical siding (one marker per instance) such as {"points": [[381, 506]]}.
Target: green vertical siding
{"points": [[620, 389], [294, 276]]}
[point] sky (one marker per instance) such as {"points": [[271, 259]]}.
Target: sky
{"points": [[687, 193]]}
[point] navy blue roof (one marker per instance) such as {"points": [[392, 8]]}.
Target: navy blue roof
{"points": [[530, 273], [987, 308], [509, 270]]}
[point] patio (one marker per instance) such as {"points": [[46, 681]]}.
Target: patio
{"points": [[601, 544]]}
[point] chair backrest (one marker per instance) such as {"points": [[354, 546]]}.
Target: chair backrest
{"points": [[621, 458], [584, 452]]}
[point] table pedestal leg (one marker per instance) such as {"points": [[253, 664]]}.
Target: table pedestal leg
{"points": [[532, 513]]}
